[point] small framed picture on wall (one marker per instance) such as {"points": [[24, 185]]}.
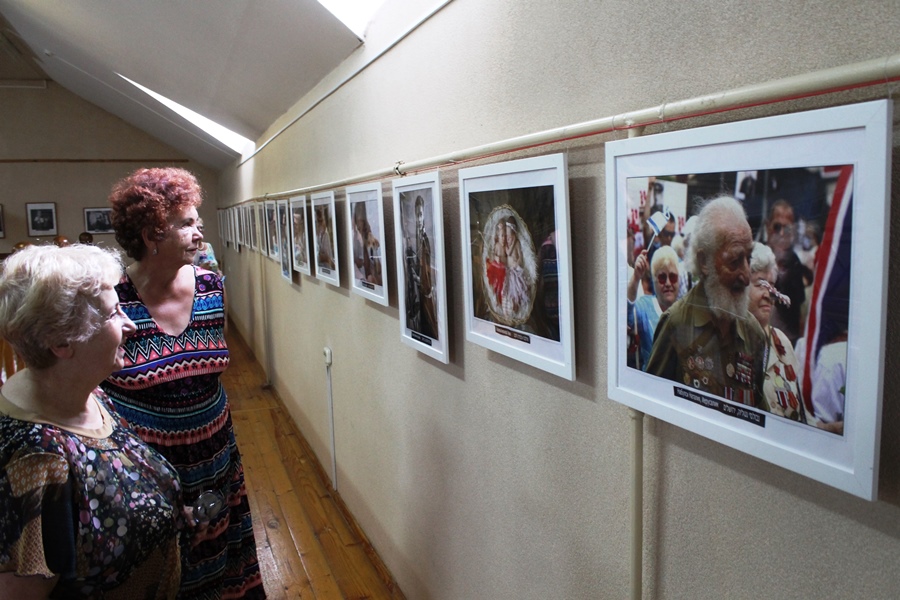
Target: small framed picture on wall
{"points": [[41, 218], [271, 222], [299, 238], [421, 272], [2, 223], [517, 261], [97, 220], [325, 238], [365, 229], [284, 240]]}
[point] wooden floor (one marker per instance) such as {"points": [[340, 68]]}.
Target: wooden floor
{"points": [[308, 544]]}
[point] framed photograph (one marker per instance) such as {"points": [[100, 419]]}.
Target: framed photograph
{"points": [[41, 218], [421, 274], [365, 231], [253, 216], [239, 225], [235, 212], [299, 235], [517, 261], [245, 225], [2, 223], [284, 238], [98, 220], [767, 333], [324, 238], [271, 230]]}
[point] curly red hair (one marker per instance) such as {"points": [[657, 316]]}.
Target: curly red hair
{"points": [[145, 200]]}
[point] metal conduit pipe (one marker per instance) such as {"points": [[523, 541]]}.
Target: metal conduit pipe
{"points": [[878, 71]]}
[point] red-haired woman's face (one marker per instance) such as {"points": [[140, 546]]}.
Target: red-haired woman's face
{"points": [[183, 237]]}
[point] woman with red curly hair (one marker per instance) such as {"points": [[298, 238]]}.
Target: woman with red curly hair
{"points": [[169, 390]]}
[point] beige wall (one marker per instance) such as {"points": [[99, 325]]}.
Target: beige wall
{"points": [[55, 147], [486, 478]]}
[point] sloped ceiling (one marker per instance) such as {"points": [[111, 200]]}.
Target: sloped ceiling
{"points": [[241, 63]]}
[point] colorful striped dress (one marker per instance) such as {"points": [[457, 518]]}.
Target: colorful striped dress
{"points": [[170, 393]]}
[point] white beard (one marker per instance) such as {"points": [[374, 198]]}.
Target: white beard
{"points": [[722, 302]]}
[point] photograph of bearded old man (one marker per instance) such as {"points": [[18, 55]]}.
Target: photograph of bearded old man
{"points": [[735, 290]]}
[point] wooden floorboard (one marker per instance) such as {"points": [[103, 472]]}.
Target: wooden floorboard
{"points": [[309, 546]]}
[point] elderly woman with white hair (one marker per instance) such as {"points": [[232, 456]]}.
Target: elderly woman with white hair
{"points": [[644, 311], [781, 387], [87, 510]]}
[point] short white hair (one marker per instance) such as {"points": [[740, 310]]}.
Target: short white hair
{"points": [[51, 295], [664, 255], [708, 229], [762, 260]]}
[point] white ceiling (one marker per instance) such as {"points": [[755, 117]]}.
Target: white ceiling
{"points": [[241, 63]]}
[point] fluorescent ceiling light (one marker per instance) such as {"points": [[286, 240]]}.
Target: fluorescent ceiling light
{"points": [[355, 14], [233, 140]]}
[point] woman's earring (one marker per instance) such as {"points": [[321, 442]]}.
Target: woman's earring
{"points": [[155, 251]]}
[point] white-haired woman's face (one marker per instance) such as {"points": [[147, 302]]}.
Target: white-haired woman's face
{"points": [[665, 282], [105, 349], [761, 302]]}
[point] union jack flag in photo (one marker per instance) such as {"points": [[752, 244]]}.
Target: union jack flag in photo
{"points": [[829, 306]]}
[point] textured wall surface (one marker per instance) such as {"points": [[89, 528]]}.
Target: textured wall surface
{"points": [[55, 147], [486, 478]]}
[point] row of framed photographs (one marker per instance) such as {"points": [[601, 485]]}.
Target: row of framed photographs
{"points": [[517, 254], [830, 167], [41, 219]]}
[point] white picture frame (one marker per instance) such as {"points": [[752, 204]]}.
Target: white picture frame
{"points": [[853, 141], [520, 304], [366, 242], [300, 235], [325, 238], [284, 238], [419, 248], [270, 220], [253, 214]]}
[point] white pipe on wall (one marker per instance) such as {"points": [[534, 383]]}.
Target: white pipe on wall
{"points": [[636, 507], [872, 72]]}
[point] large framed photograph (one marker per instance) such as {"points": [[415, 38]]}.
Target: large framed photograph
{"points": [[365, 230], [271, 229], [517, 261], [299, 235], [421, 275], [325, 238], [747, 285], [98, 220], [41, 218]]}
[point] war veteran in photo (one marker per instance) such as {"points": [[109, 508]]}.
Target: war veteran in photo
{"points": [[708, 339]]}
